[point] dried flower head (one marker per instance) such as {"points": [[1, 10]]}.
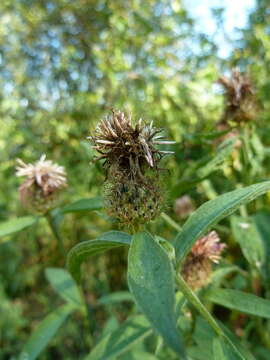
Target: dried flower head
{"points": [[197, 267], [129, 147], [240, 100], [43, 181], [133, 189], [183, 206]]}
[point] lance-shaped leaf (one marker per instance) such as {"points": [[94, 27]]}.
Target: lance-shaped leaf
{"points": [[212, 212], [121, 340], [14, 225], [151, 281], [83, 205], [64, 284], [223, 152], [219, 350], [45, 332], [115, 298], [240, 301], [248, 237], [85, 249]]}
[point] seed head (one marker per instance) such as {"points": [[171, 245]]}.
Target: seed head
{"points": [[133, 191], [240, 98], [129, 147], [43, 180], [197, 267]]}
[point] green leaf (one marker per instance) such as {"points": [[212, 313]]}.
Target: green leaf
{"points": [[85, 249], [218, 349], [223, 351], [239, 349], [212, 212], [115, 298], [137, 355], [262, 221], [45, 332], [151, 281], [83, 205], [240, 301], [64, 285], [203, 336], [248, 237], [223, 152], [121, 340], [14, 225], [221, 272]]}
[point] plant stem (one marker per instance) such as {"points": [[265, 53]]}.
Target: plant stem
{"points": [[171, 222], [246, 154], [194, 300], [56, 233], [158, 345]]}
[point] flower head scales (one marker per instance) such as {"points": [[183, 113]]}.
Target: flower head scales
{"points": [[133, 191], [130, 147]]}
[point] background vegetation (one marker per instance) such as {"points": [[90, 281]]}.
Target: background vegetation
{"points": [[63, 66]]}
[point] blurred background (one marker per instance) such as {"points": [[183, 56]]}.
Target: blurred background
{"points": [[63, 66]]}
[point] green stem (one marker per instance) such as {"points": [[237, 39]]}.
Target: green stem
{"points": [[56, 233], [194, 300], [246, 154], [87, 319], [171, 222], [158, 345]]}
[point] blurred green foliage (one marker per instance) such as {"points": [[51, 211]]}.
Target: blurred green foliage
{"points": [[64, 65]]}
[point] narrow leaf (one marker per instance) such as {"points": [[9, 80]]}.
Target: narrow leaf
{"points": [[83, 205], [137, 355], [115, 298], [262, 221], [85, 249], [239, 350], [212, 212], [151, 280], [218, 349], [223, 152], [248, 237], [45, 332], [64, 285], [121, 340], [240, 301], [14, 225], [203, 336]]}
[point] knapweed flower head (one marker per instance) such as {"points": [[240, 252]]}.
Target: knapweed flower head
{"points": [[43, 181], [241, 105], [197, 267], [130, 148], [133, 188]]}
